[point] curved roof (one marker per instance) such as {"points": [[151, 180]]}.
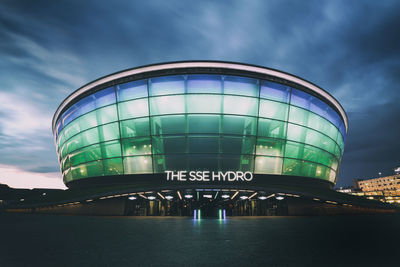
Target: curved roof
{"points": [[200, 65]]}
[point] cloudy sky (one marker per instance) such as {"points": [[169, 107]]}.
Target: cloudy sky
{"points": [[50, 48]]}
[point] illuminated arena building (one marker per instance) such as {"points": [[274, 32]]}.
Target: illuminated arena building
{"points": [[202, 129]]}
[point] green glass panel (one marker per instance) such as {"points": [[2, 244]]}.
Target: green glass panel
{"points": [[237, 145], [240, 105], [85, 138], [167, 105], [90, 169], [139, 164], [230, 162], [273, 110], [106, 114], [203, 144], [321, 124], [309, 153], [304, 168], [246, 163], [338, 153], [174, 124], [340, 141], [63, 150], [319, 156], [268, 165], [94, 168], [87, 121], [203, 162], [159, 163], [319, 140], [298, 115], [60, 140], [321, 172], [90, 120], [136, 146], [236, 163], [108, 132], [270, 147], [297, 133], [271, 128], [135, 127], [113, 166], [308, 169], [304, 135], [169, 144], [291, 167], [240, 125], [204, 103], [66, 163], [133, 109], [85, 154], [294, 150], [175, 162], [204, 123], [314, 121], [111, 149]]}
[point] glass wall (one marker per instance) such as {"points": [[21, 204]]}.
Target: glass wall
{"points": [[200, 122]]}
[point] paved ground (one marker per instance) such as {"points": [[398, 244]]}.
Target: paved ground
{"points": [[54, 240]]}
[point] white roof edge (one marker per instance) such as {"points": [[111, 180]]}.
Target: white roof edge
{"points": [[204, 64]]}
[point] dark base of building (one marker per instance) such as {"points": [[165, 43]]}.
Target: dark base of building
{"points": [[153, 195], [288, 206]]}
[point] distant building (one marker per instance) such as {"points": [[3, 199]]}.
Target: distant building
{"points": [[378, 184], [385, 189]]}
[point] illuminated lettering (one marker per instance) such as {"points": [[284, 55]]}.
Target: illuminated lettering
{"points": [[207, 176]]}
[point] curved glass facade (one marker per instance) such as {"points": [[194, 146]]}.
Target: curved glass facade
{"points": [[200, 122]]}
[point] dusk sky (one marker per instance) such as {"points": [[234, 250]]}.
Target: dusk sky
{"points": [[48, 49]]}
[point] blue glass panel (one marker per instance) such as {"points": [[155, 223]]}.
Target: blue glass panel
{"points": [[167, 85], [300, 99], [333, 117], [240, 86], [274, 91], [318, 106], [304, 100], [83, 106], [104, 97], [89, 103], [59, 128], [342, 129], [68, 113], [204, 84], [132, 90]]}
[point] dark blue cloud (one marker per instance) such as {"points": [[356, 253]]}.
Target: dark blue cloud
{"points": [[50, 48]]}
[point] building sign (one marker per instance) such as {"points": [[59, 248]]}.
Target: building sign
{"points": [[207, 176]]}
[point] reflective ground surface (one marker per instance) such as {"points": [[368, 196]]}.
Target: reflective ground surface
{"points": [[53, 240]]}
